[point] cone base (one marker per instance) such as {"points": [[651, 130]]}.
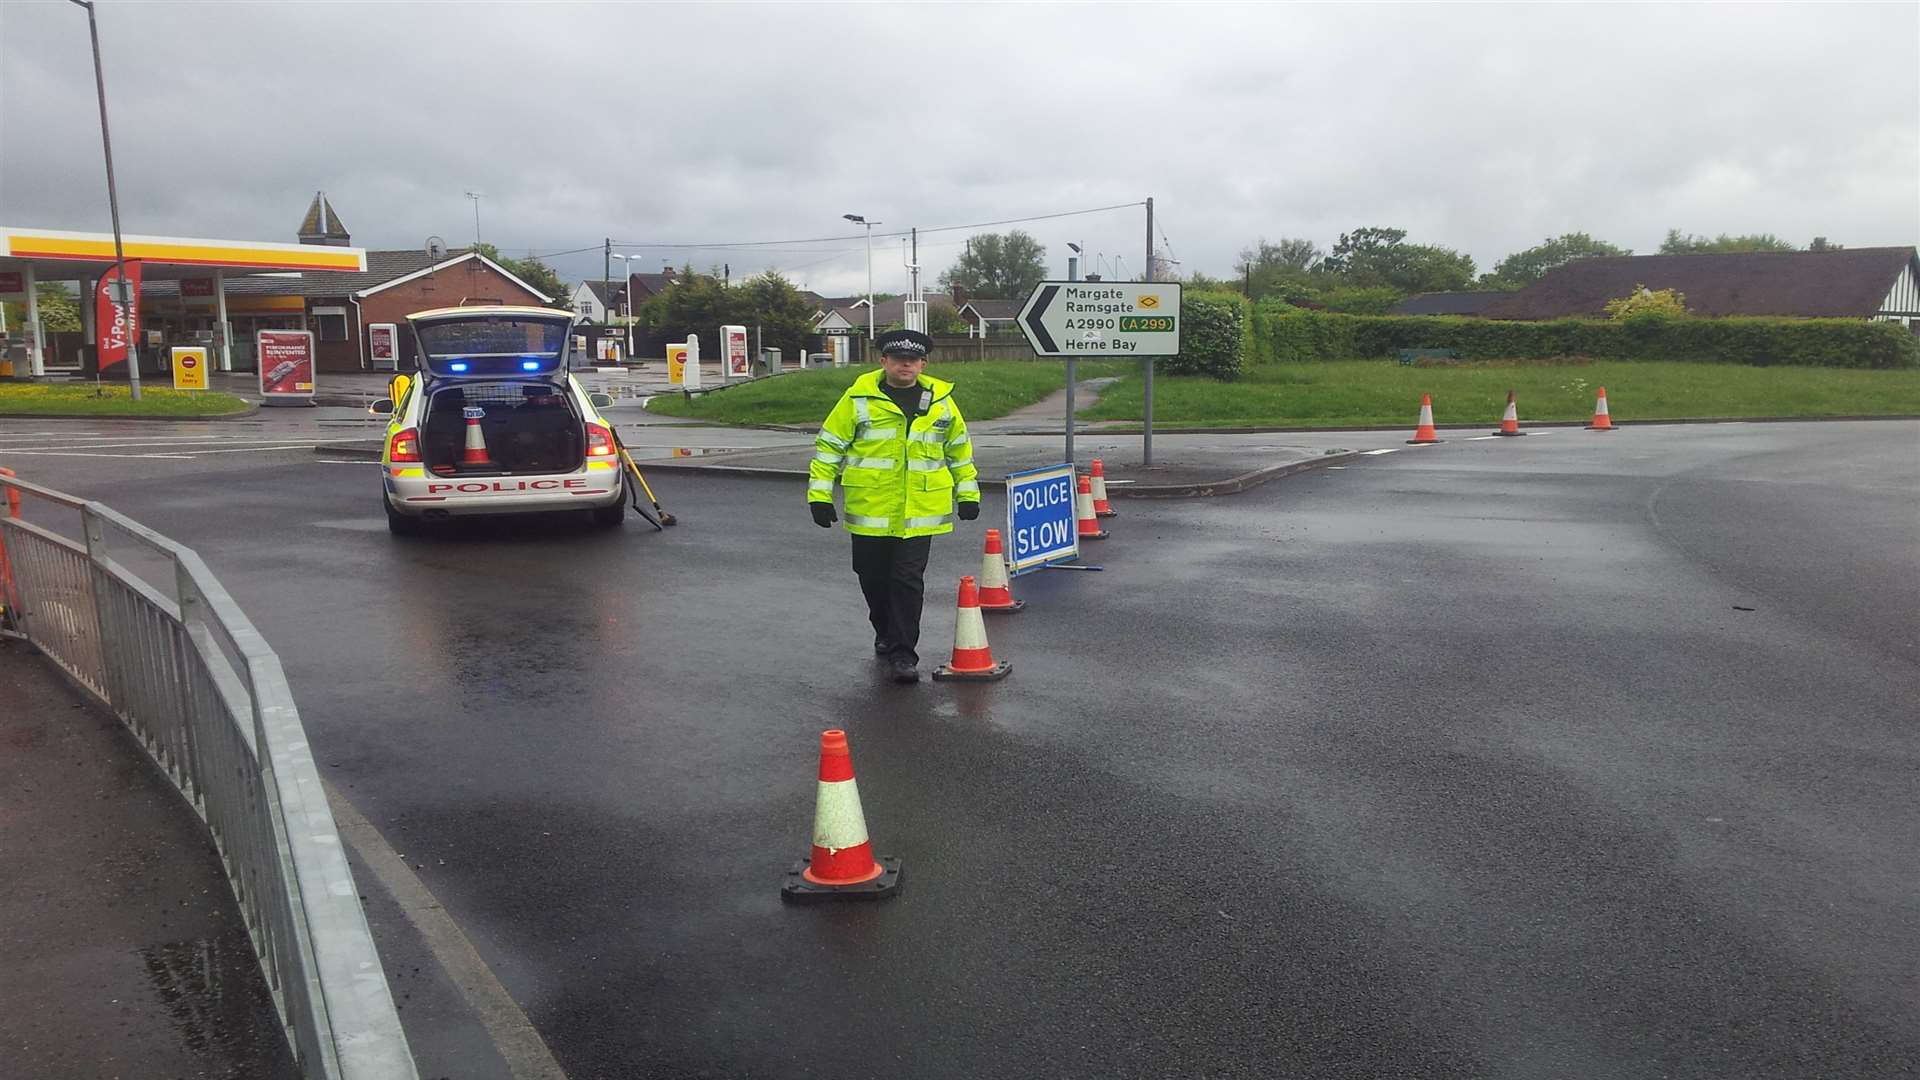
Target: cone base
{"points": [[946, 673], [1510, 434], [1591, 427], [1421, 442], [1005, 609], [798, 890], [1106, 513], [1101, 535]]}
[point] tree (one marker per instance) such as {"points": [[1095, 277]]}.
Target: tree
{"points": [[701, 304], [1523, 268], [1679, 243], [1658, 303], [1372, 257], [771, 302], [59, 312], [998, 267], [1284, 269], [530, 270], [1821, 243]]}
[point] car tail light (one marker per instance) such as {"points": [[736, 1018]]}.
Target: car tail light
{"points": [[404, 446], [599, 441]]}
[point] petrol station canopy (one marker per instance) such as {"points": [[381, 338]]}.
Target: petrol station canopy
{"points": [[64, 256]]}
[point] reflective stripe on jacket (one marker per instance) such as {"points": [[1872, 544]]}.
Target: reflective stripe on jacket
{"points": [[898, 481]]}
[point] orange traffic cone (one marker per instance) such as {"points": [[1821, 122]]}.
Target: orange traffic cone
{"points": [[476, 451], [1424, 433], [1601, 420], [1510, 423], [1101, 507], [972, 657], [1083, 512], [995, 593], [842, 865]]}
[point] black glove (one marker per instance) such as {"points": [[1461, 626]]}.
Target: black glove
{"points": [[823, 514], [969, 511]]}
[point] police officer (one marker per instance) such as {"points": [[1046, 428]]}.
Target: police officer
{"points": [[900, 449]]}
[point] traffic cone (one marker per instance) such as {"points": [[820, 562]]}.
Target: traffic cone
{"points": [[1101, 507], [1424, 433], [476, 451], [1601, 420], [972, 657], [1083, 512], [995, 593], [1510, 423], [842, 865]]}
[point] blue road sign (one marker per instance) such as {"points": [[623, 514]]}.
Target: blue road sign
{"points": [[1040, 524]]}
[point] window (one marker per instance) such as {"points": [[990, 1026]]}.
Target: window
{"points": [[330, 324]]}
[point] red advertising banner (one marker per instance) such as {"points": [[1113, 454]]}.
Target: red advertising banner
{"points": [[116, 327], [383, 345], [286, 363], [737, 350]]}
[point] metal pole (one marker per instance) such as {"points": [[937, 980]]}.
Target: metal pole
{"points": [[126, 304], [1073, 368], [1146, 441], [869, 226]]}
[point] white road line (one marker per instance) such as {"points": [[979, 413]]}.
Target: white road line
{"points": [[342, 461], [1377, 453], [170, 444], [253, 449], [75, 453], [1480, 438]]}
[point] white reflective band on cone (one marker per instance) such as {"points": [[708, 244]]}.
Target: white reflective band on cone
{"points": [[1601, 408], [1513, 412], [969, 629], [993, 572], [1083, 504], [1426, 414], [838, 823]]}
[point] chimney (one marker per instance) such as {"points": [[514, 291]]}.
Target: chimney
{"points": [[959, 295]]}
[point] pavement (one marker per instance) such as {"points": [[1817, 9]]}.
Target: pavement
{"points": [[1572, 755], [125, 953]]}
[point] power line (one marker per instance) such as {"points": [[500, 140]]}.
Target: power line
{"points": [[862, 236]]}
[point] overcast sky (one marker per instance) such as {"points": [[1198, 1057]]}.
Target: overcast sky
{"points": [[1484, 128]]}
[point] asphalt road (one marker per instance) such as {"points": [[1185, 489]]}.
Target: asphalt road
{"points": [[1467, 760]]}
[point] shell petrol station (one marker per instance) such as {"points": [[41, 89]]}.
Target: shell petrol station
{"points": [[198, 309]]}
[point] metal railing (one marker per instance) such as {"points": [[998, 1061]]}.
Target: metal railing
{"points": [[139, 620]]}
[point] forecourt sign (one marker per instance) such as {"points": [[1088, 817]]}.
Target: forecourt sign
{"points": [[1040, 518], [1103, 318], [189, 369]]}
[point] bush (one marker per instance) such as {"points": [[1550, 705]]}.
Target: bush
{"points": [[1215, 338], [1285, 333], [1356, 301], [1643, 302]]}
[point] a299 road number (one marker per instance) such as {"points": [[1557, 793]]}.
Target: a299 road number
{"points": [[1144, 324]]}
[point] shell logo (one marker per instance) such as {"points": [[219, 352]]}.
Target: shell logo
{"points": [[1147, 301]]}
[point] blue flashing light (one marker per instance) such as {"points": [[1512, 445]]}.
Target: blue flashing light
{"points": [[529, 365], [457, 365]]}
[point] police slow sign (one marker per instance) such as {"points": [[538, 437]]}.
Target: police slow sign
{"points": [[1040, 523]]}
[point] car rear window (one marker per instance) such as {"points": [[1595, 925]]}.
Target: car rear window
{"points": [[492, 345]]}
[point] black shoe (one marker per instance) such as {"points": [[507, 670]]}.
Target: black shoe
{"points": [[905, 670], [882, 647]]}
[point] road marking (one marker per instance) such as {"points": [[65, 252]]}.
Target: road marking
{"points": [[172, 443], [1481, 438], [1335, 468], [1377, 453], [70, 453], [254, 449], [341, 461], [525, 1052]]}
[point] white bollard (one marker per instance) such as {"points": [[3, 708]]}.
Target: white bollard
{"points": [[693, 362]]}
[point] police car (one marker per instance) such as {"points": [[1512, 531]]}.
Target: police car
{"points": [[495, 424]]}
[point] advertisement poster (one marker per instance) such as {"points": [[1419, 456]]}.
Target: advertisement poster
{"points": [[736, 346], [119, 327], [189, 369], [286, 365], [383, 346]]}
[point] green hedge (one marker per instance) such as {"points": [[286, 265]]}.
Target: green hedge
{"points": [[1215, 336], [1285, 333]]}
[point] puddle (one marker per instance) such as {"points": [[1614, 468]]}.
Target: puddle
{"points": [[209, 993]]}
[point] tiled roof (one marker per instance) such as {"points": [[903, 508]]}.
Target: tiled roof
{"points": [[1849, 283], [1446, 303], [994, 309], [600, 290]]}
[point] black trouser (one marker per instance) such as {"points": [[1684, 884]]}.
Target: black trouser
{"points": [[890, 570]]}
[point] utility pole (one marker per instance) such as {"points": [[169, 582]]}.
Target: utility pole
{"points": [[916, 305], [1146, 440], [126, 304], [475, 196]]}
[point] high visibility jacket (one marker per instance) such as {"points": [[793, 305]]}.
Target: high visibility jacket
{"points": [[900, 480]]}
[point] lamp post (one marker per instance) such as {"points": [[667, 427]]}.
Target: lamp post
{"points": [[125, 301], [858, 220], [475, 196], [626, 271]]}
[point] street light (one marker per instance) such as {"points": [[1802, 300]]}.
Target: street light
{"points": [[474, 195], [858, 220], [125, 302], [626, 271]]}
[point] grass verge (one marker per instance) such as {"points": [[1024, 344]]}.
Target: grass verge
{"points": [[986, 390], [84, 399], [1366, 393]]}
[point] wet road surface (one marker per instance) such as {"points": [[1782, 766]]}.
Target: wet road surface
{"points": [[1461, 761]]}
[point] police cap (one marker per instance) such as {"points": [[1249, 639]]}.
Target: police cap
{"points": [[911, 344]]}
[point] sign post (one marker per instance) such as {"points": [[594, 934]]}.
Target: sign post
{"points": [[1104, 318], [286, 366], [189, 368], [1041, 529]]}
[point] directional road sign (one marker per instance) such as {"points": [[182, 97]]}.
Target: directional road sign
{"points": [[1103, 318]]}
